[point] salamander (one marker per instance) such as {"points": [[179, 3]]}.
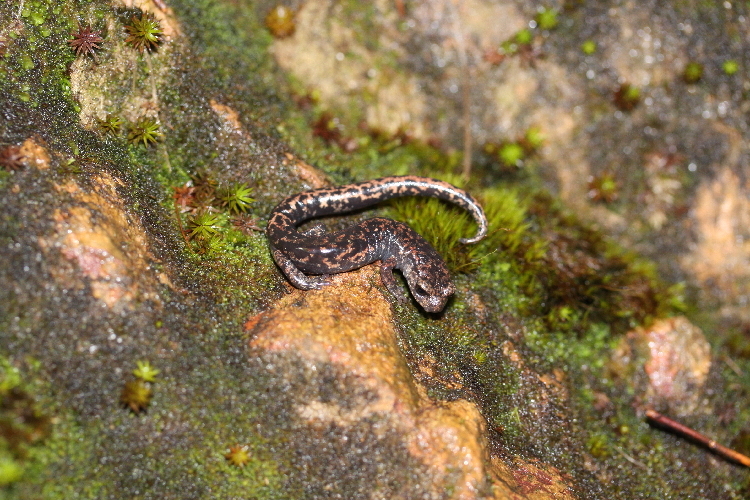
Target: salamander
{"points": [[394, 244]]}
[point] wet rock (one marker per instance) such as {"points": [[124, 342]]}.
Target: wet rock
{"points": [[720, 258], [668, 362], [366, 428]]}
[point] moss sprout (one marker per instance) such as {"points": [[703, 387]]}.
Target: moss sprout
{"points": [[145, 132], [210, 245], [204, 226], [627, 97], [136, 395], [85, 41], [693, 72], [547, 19], [603, 187], [511, 154], [11, 158], [205, 188], [236, 198], [70, 166], [246, 224], [588, 47], [532, 140], [238, 455], [111, 125], [10, 470], [597, 446], [523, 37], [280, 21], [730, 67], [23, 427], [145, 371], [144, 33]]}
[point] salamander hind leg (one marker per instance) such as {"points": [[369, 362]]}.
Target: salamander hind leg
{"points": [[386, 274], [297, 277]]}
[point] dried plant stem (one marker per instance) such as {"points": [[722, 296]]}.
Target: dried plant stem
{"points": [[179, 223], [464, 67], [467, 124], [660, 420]]}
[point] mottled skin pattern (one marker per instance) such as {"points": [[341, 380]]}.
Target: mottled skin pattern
{"points": [[395, 245]]}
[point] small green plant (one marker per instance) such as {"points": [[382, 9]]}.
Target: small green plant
{"points": [[204, 226], [547, 19], [627, 97], [280, 21], [510, 154], [144, 33], [238, 455], [111, 125], [588, 47], [603, 187], [523, 37], [145, 371], [532, 140], [730, 67], [236, 198], [693, 72], [70, 166], [145, 132], [597, 445], [136, 395]]}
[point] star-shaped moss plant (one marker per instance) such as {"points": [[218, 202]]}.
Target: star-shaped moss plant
{"points": [[145, 371], [85, 41], [146, 131], [144, 33]]}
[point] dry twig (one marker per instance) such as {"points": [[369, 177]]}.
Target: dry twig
{"points": [[656, 418]]}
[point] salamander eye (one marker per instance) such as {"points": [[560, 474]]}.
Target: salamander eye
{"points": [[418, 290]]}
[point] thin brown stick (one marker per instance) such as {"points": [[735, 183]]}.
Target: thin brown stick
{"points": [[179, 223], [465, 69], [660, 420]]}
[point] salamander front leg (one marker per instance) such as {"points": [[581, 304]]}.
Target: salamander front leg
{"points": [[297, 277], [386, 274]]}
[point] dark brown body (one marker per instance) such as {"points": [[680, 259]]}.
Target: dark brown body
{"points": [[393, 243]]}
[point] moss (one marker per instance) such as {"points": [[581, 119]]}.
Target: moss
{"points": [[24, 429], [144, 33], [588, 47], [627, 97], [730, 67], [693, 72], [527, 289], [547, 19], [443, 225], [280, 21]]}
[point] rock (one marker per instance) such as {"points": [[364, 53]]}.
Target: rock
{"points": [[675, 358], [365, 424]]}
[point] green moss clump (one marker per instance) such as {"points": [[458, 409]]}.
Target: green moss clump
{"points": [[511, 154], [730, 67], [444, 225], [144, 33], [23, 427], [627, 97], [547, 19], [693, 72], [588, 47]]}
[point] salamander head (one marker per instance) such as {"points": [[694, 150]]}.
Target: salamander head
{"points": [[431, 285]]}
